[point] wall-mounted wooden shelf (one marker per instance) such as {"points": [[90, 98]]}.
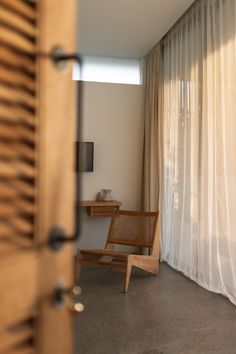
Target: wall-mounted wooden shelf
{"points": [[100, 209]]}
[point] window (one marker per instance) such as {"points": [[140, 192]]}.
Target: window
{"points": [[113, 70]]}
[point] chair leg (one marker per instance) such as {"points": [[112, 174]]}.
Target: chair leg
{"points": [[127, 274], [147, 263]]}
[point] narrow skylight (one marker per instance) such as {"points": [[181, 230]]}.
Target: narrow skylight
{"points": [[113, 70]]}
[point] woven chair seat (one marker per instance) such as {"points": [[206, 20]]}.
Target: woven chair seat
{"points": [[127, 228]]}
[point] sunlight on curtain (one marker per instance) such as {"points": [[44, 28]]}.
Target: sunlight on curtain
{"points": [[199, 169]]}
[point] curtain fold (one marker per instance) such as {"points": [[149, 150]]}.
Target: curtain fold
{"points": [[198, 127], [152, 79]]}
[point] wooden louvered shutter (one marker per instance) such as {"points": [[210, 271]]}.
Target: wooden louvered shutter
{"points": [[37, 133]]}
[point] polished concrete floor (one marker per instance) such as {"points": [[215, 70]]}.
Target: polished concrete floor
{"points": [[168, 314]]}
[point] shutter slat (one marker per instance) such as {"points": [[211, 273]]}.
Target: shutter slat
{"points": [[12, 19], [7, 132], [15, 133], [14, 96], [9, 151], [23, 188], [22, 225], [25, 207], [13, 189], [16, 78], [12, 243], [11, 226], [16, 114], [5, 230], [16, 40], [7, 192], [26, 152], [16, 169], [14, 338], [19, 207], [16, 60], [7, 210], [20, 7]]}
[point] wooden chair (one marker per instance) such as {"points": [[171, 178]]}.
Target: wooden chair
{"points": [[129, 228]]}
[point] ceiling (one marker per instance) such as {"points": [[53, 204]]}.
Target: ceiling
{"points": [[125, 28]]}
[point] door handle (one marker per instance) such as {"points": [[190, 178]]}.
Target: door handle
{"points": [[59, 57], [57, 236]]}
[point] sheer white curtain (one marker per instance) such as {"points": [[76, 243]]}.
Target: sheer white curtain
{"points": [[198, 199]]}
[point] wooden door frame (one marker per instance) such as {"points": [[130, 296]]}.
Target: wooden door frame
{"points": [[56, 185]]}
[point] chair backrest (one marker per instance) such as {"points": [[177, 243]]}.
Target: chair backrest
{"points": [[133, 228]]}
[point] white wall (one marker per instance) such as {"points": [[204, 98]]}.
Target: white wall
{"points": [[112, 119]]}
